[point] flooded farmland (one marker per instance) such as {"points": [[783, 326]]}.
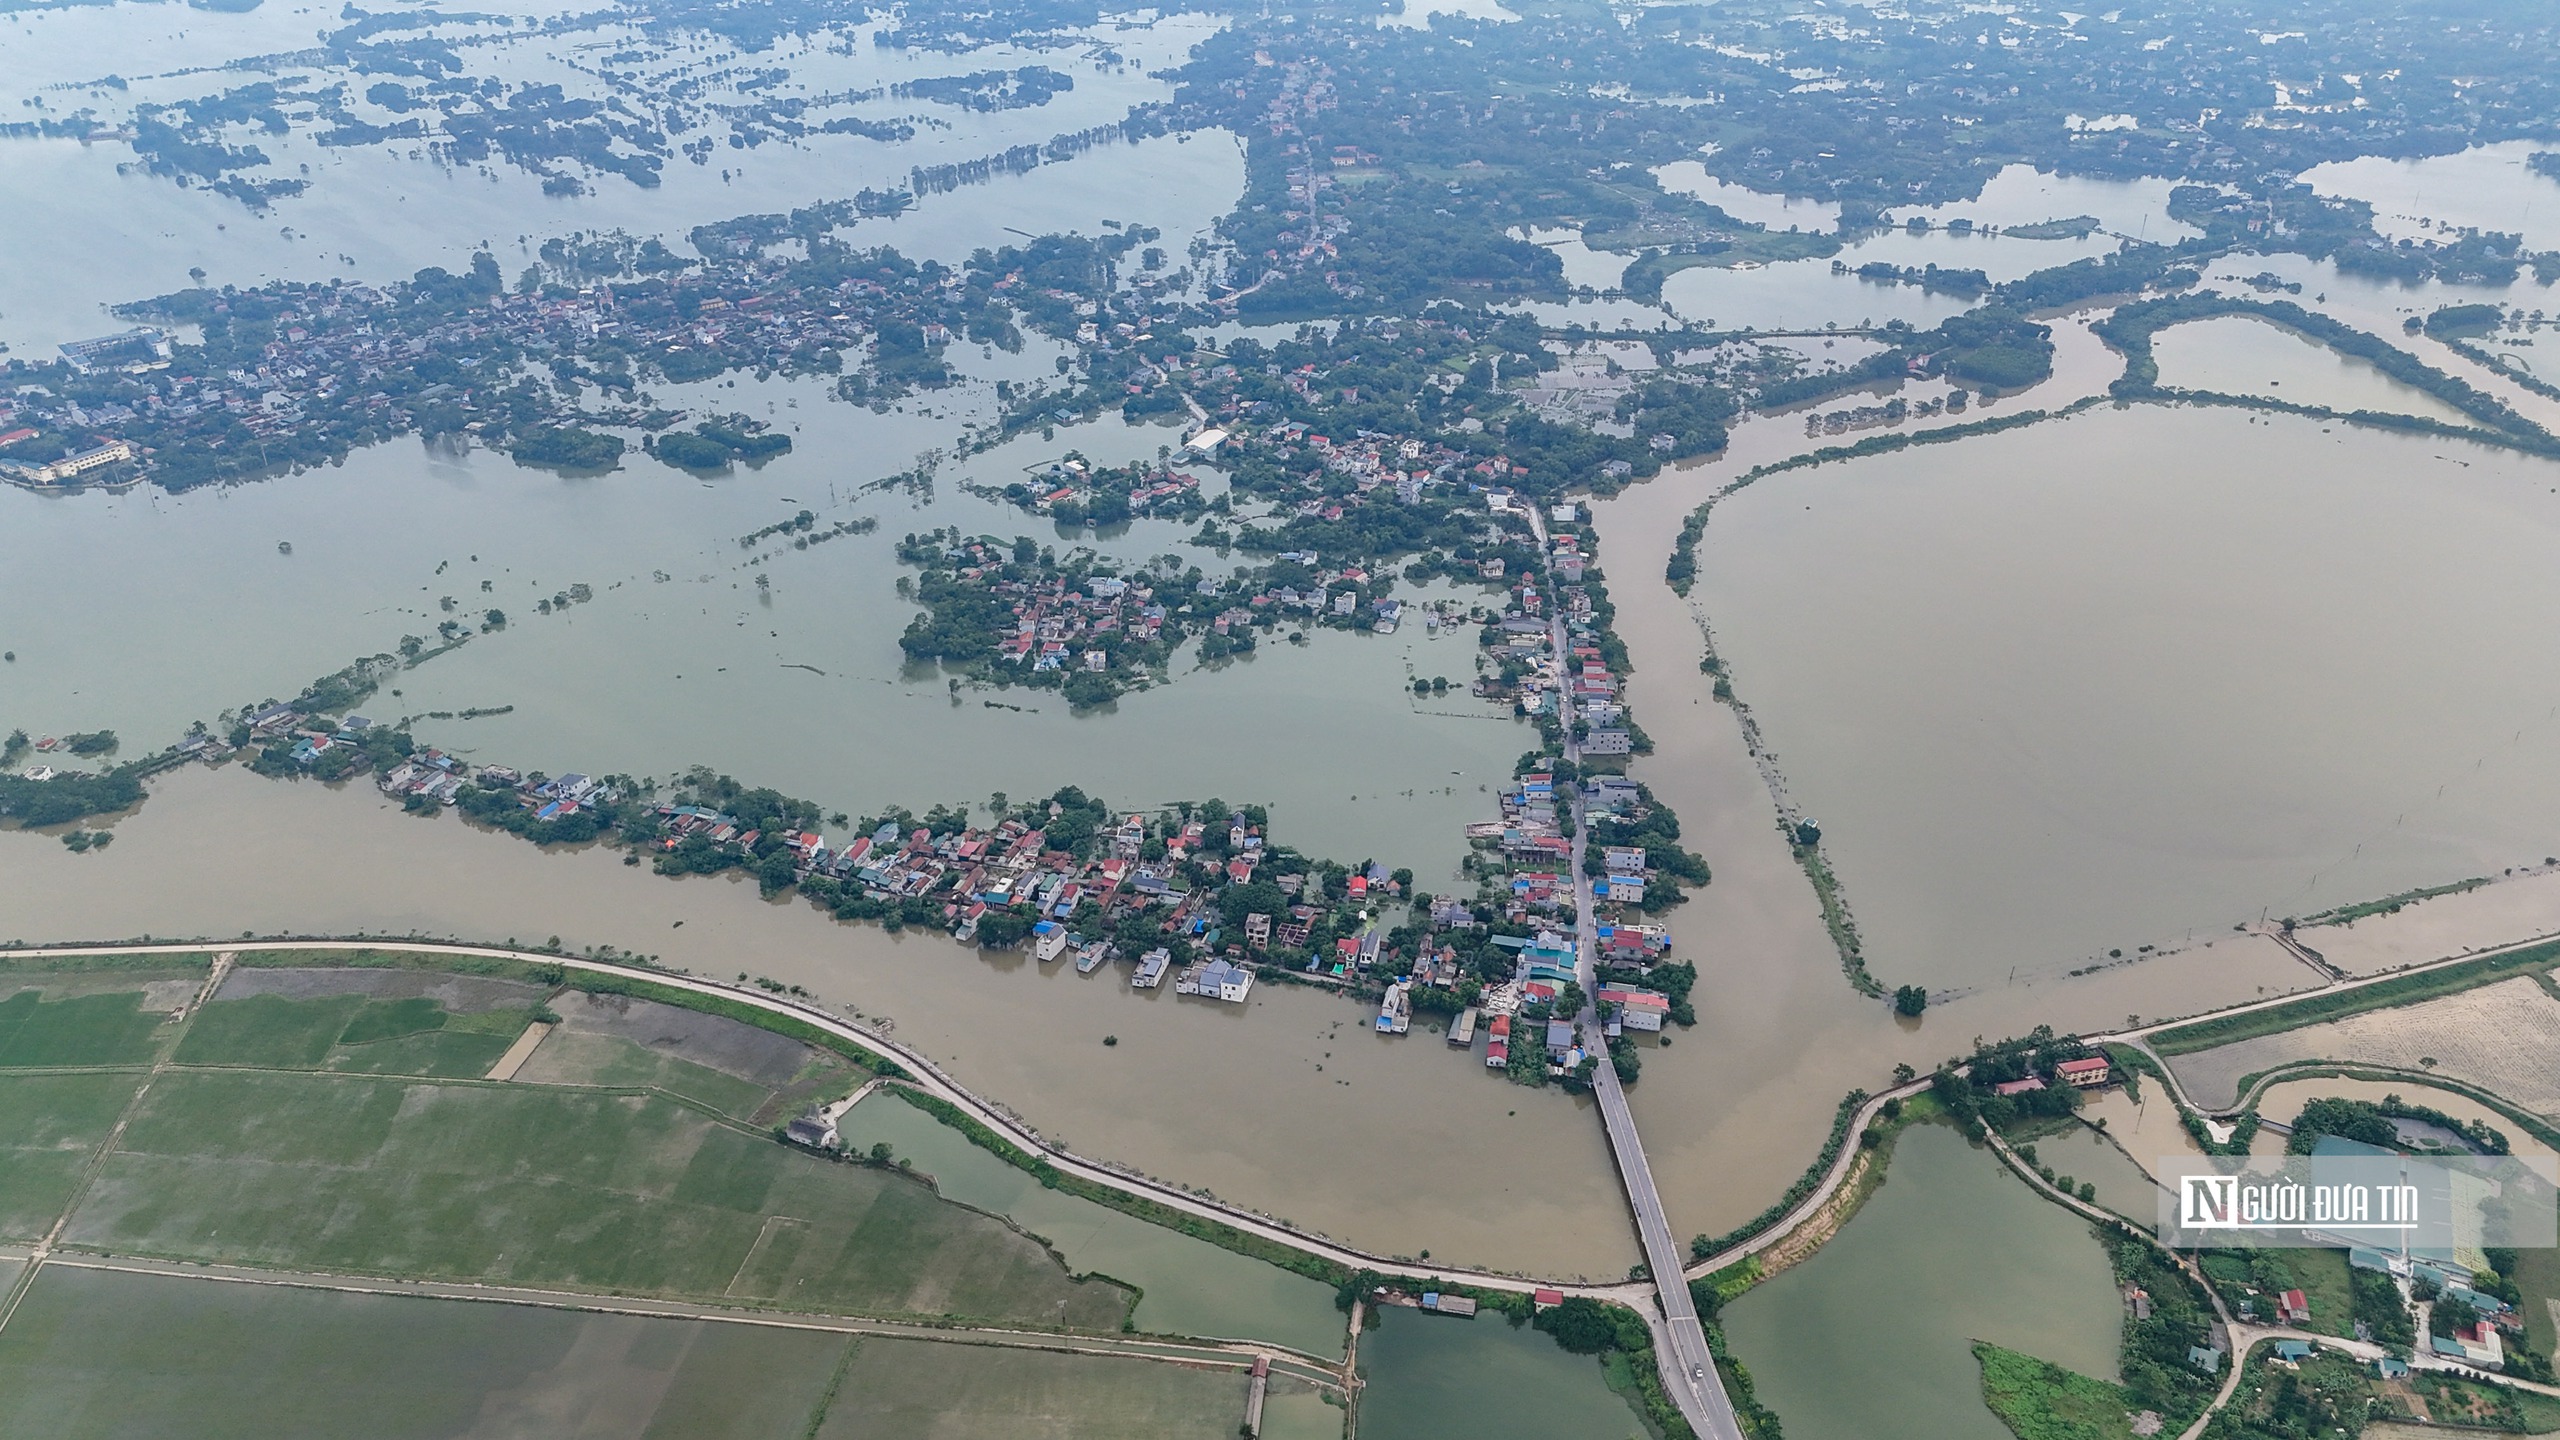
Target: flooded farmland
{"points": [[2053, 693]]}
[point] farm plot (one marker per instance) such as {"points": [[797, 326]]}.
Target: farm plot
{"points": [[109, 1028], [915, 1390], [372, 1019], [551, 1187], [460, 994], [100, 1354], [49, 1127], [730, 1066], [2500, 1037]]}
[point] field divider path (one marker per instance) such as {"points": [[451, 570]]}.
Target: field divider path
{"points": [[930, 1079], [43, 1249], [1239, 1356]]}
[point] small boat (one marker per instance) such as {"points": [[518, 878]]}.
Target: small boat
{"points": [[1151, 968], [1090, 958]]}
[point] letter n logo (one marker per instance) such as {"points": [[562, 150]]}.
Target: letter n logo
{"points": [[2210, 1202]]}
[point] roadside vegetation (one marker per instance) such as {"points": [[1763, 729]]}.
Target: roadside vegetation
{"points": [[2334, 1004]]}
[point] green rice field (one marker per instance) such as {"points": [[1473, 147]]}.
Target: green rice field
{"points": [[99, 1354], [107, 1029], [326, 1125], [569, 1058], [912, 1390], [95, 1354], [414, 1036], [540, 1186], [50, 1127]]}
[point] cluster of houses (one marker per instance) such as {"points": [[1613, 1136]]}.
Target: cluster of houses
{"points": [[343, 353], [2477, 1344], [1059, 623], [1011, 869], [2089, 1072], [1070, 482], [313, 736], [1892, 412], [433, 775], [1401, 467]]}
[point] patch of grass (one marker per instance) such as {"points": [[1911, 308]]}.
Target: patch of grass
{"points": [[49, 1127], [439, 1055], [2322, 1276], [568, 1057], [350, 1033], [2039, 1400], [2541, 1413], [2333, 1004], [539, 1186], [2390, 904], [267, 1030], [918, 1390], [110, 1029], [2538, 1276], [390, 1019], [98, 964], [739, 1010], [94, 1354]]}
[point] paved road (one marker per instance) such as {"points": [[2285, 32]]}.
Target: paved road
{"points": [[1689, 1374]]}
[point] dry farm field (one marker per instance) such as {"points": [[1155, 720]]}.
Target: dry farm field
{"points": [[2501, 1037]]}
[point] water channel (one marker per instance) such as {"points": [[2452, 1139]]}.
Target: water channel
{"points": [[1872, 1335], [1188, 1287]]}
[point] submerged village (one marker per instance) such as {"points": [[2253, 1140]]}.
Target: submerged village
{"points": [[1197, 897]]}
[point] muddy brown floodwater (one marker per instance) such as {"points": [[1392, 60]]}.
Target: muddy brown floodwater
{"points": [[1292, 1104]]}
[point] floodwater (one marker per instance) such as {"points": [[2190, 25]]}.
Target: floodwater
{"points": [[1951, 1250], [2085, 1155], [800, 685], [2486, 187], [1739, 1105], [119, 237], [2516, 907], [2117, 679], [2024, 195], [1804, 294], [1752, 207], [1433, 1377], [2384, 307], [2243, 355], [1188, 1287], [1292, 1104]]}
